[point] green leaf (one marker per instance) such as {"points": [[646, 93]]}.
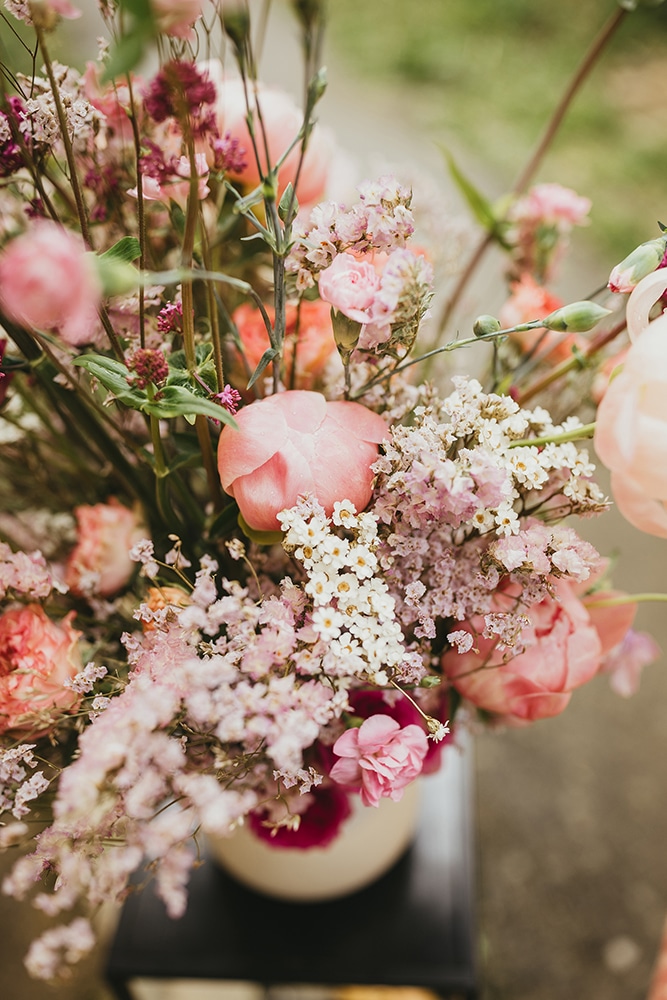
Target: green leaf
{"points": [[270, 354], [127, 249], [113, 375], [480, 206], [177, 401], [128, 52]]}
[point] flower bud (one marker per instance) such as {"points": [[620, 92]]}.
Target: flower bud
{"points": [[577, 317], [643, 260], [346, 332], [485, 325]]}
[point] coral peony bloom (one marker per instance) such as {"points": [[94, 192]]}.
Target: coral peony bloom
{"points": [[631, 431], [562, 651], [49, 282], [296, 443], [350, 285], [530, 301], [282, 121], [36, 657], [379, 758], [314, 342], [100, 564]]}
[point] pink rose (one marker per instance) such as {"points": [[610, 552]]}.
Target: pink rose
{"points": [[552, 203], [350, 286], [49, 282], [562, 651], [379, 758], [36, 657], [100, 564], [282, 121], [296, 443], [631, 431]]}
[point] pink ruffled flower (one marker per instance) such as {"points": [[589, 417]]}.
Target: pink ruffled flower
{"points": [[551, 204], [379, 758], [350, 285], [631, 432], [282, 121], [36, 658], [49, 282], [562, 651], [100, 563], [296, 443], [175, 190]]}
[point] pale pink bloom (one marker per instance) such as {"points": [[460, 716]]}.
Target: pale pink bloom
{"points": [[282, 120], [530, 301], [49, 282], [644, 296], [562, 651], [379, 758], [112, 100], [36, 658], [631, 431], [625, 662], [178, 191], [176, 17], [296, 443], [350, 285], [552, 203], [100, 564]]}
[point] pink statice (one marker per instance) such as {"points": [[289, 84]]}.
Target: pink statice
{"points": [[25, 575], [67, 943], [381, 221], [182, 90], [20, 783], [379, 758]]}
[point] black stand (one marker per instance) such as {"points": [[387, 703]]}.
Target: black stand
{"points": [[414, 927]]}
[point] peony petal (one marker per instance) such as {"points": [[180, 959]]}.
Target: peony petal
{"points": [[613, 622], [642, 299], [642, 511], [262, 431]]}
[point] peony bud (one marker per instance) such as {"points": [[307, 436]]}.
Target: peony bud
{"points": [[642, 261], [577, 317]]}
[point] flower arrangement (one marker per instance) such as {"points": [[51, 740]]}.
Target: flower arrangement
{"points": [[262, 554]]}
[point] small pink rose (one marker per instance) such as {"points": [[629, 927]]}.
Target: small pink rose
{"points": [[562, 651], [49, 282], [350, 286], [296, 443], [100, 564], [379, 758], [36, 657]]}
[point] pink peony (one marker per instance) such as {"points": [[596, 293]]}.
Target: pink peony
{"points": [[36, 657], [100, 563], [631, 432], [296, 443], [282, 121], [379, 758], [314, 342], [350, 286], [562, 651], [49, 282]]}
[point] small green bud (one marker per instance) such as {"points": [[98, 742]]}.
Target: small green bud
{"points": [[485, 325], [288, 198], [430, 681], [236, 24], [317, 86], [346, 332], [643, 260], [577, 317]]}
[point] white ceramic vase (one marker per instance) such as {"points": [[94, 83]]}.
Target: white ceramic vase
{"points": [[370, 842]]}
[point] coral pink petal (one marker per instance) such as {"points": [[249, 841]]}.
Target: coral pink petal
{"points": [[357, 420], [610, 622], [641, 511], [642, 299], [262, 431], [261, 495]]}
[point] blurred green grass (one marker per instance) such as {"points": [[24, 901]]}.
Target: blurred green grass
{"points": [[486, 74]]}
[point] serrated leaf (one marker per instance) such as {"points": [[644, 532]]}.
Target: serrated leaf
{"points": [[479, 205], [127, 249]]}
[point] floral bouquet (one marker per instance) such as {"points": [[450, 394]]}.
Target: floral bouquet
{"points": [[262, 554]]}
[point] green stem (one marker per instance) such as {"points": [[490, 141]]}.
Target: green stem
{"points": [[611, 602], [585, 431]]}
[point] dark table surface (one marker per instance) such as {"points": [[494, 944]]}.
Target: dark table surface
{"points": [[413, 927]]}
